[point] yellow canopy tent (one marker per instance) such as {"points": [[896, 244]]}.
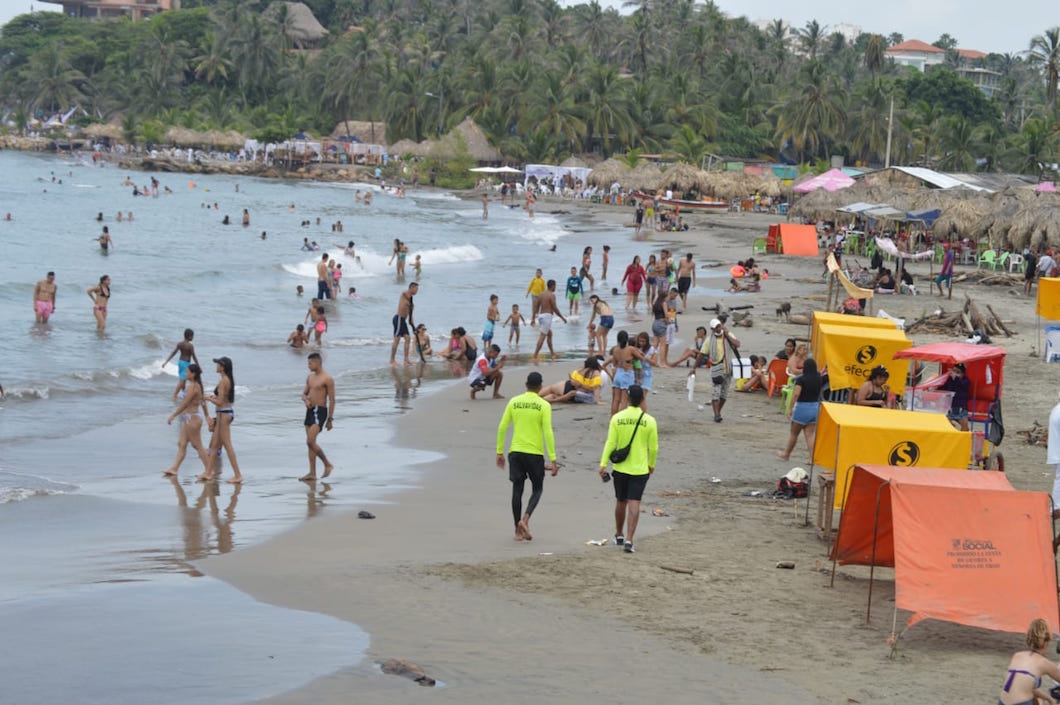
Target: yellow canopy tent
{"points": [[851, 353], [848, 435], [819, 318]]}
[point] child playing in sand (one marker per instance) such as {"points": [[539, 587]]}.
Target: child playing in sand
{"points": [[321, 324], [298, 338], [493, 315], [515, 319]]}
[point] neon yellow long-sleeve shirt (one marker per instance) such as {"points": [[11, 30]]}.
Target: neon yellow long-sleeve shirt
{"points": [[532, 419], [645, 446]]}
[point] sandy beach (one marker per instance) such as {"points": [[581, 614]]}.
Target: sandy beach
{"points": [[436, 578]]}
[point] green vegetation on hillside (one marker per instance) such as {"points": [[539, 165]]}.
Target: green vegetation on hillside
{"points": [[543, 81]]}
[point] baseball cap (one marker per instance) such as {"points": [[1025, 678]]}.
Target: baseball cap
{"points": [[534, 379], [714, 323]]}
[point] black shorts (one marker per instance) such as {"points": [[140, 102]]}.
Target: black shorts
{"points": [[482, 382], [401, 327], [684, 284], [629, 486], [522, 466], [316, 416]]}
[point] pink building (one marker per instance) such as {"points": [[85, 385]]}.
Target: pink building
{"points": [[136, 9]]}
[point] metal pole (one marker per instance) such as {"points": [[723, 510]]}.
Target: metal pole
{"points": [[890, 128]]}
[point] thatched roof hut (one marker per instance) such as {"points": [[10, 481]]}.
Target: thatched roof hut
{"points": [[472, 136], [819, 204], [684, 177], [608, 172], [104, 130], [303, 29], [213, 139], [574, 162], [645, 177], [365, 131], [405, 146], [959, 217]]}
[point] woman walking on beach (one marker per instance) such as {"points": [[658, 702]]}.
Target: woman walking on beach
{"points": [[224, 395], [634, 280], [1023, 681], [803, 413], [191, 418], [100, 295]]}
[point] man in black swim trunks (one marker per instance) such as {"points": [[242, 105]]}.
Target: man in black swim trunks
{"points": [[319, 399], [403, 321]]}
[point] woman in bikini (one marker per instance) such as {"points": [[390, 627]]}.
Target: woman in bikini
{"points": [[224, 394], [607, 321], [797, 360], [587, 263], [621, 360], [582, 386], [875, 392], [1023, 680], [191, 417], [100, 295], [401, 252]]}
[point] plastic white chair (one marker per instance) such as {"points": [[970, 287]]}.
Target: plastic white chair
{"points": [[1015, 262]]}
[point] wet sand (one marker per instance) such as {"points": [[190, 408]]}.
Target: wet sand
{"points": [[437, 579]]}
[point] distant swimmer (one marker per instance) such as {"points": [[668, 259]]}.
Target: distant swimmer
{"points": [[403, 322], [226, 221], [186, 350], [306, 247], [119, 217], [320, 325], [191, 410], [246, 217], [8, 217], [319, 399], [99, 217], [44, 298], [348, 249], [100, 295], [485, 206]]}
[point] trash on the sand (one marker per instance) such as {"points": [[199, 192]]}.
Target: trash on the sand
{"points": [[660, 513], [545, 553], [789, 565], [754, 493], [674, 569], [715, 480], [701, 407], [596, 542], [407, 669], [365, 515]]}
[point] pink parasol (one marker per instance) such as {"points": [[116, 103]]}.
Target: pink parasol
{"points": [[831, 180], [1045, 187]]}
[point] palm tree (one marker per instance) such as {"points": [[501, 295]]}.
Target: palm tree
{"points": [[811, 119], [349, 78], [687, 145], [556, 112], [1036, 146], [1045, 53], [212, 62], [869, 136], [55, 84], [958, 141], [811, 37], [606, 113], [875, 55], [256, 55]]}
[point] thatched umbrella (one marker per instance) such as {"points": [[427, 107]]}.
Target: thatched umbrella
{"points": [[478, 145], [608, 172], [367, 132], [1035, 225], [104, 130], [817, 204], [226, 140], [403, 147], [959, 217], [683, 177], [769, 185], [645, 177], [574, 162]]}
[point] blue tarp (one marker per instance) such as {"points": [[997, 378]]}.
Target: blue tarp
{"points": [[928, 216]]}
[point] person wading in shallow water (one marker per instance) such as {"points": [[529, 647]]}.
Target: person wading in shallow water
{"points": [[531, 419], [319, 399]]}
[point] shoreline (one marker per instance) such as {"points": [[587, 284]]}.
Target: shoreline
{"points": [[437, 580]]}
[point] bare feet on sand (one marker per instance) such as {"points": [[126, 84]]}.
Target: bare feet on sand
{"points": [[203, 477], [237, 480], [327, 470], [171, 472], [782, 456], [526, 530], [311, 477], [495, 396]]}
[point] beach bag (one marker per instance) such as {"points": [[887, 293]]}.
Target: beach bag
{"points": [[619, 455], [792, 490]]}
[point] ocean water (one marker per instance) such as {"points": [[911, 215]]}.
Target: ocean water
{"points": [[89, 522]]}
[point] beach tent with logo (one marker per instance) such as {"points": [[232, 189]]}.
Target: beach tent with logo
{"points": [[850, 354], [965, 546], [849, 435], [1048, 307], [819, 318], [792, 239]]}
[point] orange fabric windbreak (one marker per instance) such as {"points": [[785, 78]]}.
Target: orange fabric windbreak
{"points": [[1048, 303], [796, 239], [850, 435], [965, 546]]}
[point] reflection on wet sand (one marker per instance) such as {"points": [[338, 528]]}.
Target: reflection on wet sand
{"points": [[197, 537], [406, 380]]}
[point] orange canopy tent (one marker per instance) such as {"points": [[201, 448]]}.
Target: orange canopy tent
{"points": [[965, 546], [792, 239]]}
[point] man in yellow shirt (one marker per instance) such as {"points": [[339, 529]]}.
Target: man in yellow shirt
{"points": [[631, 475], [531, 419], [536, 288]]}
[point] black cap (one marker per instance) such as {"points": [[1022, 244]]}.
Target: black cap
{"points": [[223, 360], [960, 366], [534, 379]]}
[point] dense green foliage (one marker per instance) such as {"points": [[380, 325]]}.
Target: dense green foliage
{"points": [[673, 76]]}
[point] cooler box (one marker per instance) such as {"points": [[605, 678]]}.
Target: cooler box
{"points": [[746, 368], [933, 400]]}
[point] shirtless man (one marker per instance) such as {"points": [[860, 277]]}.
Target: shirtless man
{"points": [[319, 399], [323, 278], [187, 356], [44, 298], [686, 279], [548, 309], [403, 321], [105, 243]]}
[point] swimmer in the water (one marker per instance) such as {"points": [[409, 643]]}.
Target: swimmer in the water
{"points": [[105, 243], [298, 338]]}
